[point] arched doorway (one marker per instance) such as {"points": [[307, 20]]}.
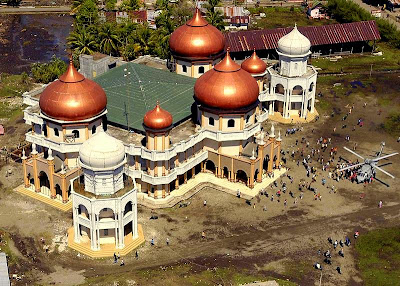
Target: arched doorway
{"points": [[44, 183], [225, 172], [265, 163], [128, 229], [256, 175], [58, 192], [82, 210], [210, 166], [241, 176]]}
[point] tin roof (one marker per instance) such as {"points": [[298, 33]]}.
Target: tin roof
{"points": [[129, 98], [318, 35]]}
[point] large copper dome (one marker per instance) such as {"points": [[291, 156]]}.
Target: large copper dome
{"points": [[254, 64], [197, 39], [73, 97], [226, 86], [157, 118]]}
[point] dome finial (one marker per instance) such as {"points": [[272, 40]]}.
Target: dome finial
{"points": [[295, 25]]}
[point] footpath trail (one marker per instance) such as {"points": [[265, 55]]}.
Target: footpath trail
{"points": [[35, 10]]}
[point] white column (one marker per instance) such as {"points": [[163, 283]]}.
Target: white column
{"points": [[98, 231], [77, 236], [116, 229], [93, 232], [121, 230], [134, 220]]}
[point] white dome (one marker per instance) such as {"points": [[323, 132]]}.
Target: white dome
{"points": [[102, 152], [294, 43]]}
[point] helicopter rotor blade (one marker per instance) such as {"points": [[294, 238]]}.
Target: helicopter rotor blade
{"points": [[383, 165], [382, 182], [384, 157], [351, 167], [354, 153], [383, 171]]}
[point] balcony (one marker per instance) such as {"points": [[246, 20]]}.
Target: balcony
{"points": [[181, 169], [62, 147]]}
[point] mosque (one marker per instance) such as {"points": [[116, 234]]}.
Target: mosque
{"points": [[76, 160]]}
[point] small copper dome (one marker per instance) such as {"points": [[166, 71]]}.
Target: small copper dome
{"points": [[72, 97], [254, 64], [226, 86], [157, 118], [197, 39]]}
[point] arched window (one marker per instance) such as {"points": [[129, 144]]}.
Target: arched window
{"points": [[76, 133], [311, 87], [279, 89], [201, 69], [211, 121], [93, 129], [297, 90], [44, 129], [184, 69], [56, 133], [231, 123]]}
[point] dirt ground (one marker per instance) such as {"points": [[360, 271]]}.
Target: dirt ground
{"points": [[281, 242]]}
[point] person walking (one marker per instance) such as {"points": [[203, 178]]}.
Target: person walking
{"points": [[205, 203], [167, 241], [137, 255], [380, 204], [152, 241], [115, 258], [122, 263], [203, 234]]}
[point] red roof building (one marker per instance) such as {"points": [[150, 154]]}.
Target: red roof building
{"points": [[267, 39]]}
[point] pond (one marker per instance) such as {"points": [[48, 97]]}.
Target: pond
{"points": [[25, 39]]}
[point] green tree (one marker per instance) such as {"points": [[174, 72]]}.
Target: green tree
{"points": [[81, 41], [129, 5], [216, 19], [87, 13], [142, 37], [130, 51], [47, 72], [109, 40], [110, 5]]}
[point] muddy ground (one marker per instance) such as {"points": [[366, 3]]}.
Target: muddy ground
{"points": [[281, 242]]}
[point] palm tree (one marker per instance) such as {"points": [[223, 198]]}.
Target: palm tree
{"points": [[142, 37], [82, 42], [215, 18], [109, 40]]}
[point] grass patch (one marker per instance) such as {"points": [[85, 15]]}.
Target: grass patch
{"points": [[298, 269], [378, 257], [185, 275], [392, 124], [12, 259], [390, 60], [14, 85], [282, 17]]}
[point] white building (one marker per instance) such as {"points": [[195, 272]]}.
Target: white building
{"points": [[291, 83], [104, 204]]}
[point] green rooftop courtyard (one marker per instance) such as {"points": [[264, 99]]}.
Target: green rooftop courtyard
{"points": [[129, 98]]}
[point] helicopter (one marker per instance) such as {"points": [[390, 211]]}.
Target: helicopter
{"points": [[367, 170]]}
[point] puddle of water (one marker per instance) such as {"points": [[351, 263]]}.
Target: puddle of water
{"points": [[25, 39]]}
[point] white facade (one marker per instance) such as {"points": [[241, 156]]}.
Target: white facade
{"points": [[99, 213], [292, 82]]}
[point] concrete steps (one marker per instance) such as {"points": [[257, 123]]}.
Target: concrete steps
{"points": [[40, 197], [106, 250]]}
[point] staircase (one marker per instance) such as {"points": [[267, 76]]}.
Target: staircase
{"points": [[106, 250], [44, 199]]}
